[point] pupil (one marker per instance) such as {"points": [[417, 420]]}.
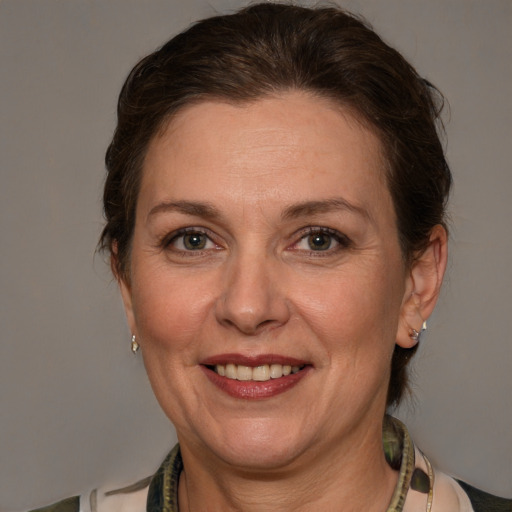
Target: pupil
{"points": [[319, 241], [195, 241]]}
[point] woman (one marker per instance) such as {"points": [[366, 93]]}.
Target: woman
{"points": [[275, 208]]}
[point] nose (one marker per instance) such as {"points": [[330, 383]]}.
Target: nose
{"points": [[253, 297]]}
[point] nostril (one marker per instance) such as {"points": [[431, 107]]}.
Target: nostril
{"points": [[250, 300], [266, 323], [249, 326]]}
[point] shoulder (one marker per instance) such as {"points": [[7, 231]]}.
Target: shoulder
{"points": [[67, 505], [455, 494], [451, 495], [483, 501], [131, 498], [421, 487], [153, 493]]}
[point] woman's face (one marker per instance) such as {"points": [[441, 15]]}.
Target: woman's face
{"points": [[265, 243]]}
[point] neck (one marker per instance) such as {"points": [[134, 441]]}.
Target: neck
{"points": [[351, 475]]}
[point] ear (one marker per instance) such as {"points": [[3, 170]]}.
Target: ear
{"points": [[423, 285], [124, 287], [126, 294]]}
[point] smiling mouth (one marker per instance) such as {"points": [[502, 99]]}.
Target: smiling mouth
{"points": [[260, 373]]}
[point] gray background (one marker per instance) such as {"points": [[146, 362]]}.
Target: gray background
{"points": [[76, 407]]}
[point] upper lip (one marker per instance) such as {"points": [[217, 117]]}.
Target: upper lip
{"points": [[253, 361]]}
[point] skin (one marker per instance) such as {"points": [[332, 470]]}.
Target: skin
{"points": [[258, 285]]}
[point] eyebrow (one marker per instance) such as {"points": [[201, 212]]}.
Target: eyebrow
{"points": [[197, 209], [304, 209], [329, 205]]}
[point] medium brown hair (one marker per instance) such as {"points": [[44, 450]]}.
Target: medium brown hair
{"points": [[267, 49]]}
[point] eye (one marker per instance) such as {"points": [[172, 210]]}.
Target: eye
{"points": [[321, 240], [191, 240]]}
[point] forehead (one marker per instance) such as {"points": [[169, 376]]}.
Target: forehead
{"points": [[294, 144]]}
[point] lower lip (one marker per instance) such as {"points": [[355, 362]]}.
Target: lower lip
{"points": [[255, 390]]}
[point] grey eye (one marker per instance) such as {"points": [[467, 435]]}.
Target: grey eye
{"points": [[194, 241], [319, 241]]}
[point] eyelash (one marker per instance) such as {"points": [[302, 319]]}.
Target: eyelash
{"points": [[342, 241], [181, 233]]}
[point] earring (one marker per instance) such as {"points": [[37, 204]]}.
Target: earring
{"points": [[135, 345], [415, 335]]}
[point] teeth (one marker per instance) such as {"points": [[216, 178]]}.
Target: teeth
{"points": [[243, 372], [277, 370], [261, 373], [231, 372], [258, 373]]}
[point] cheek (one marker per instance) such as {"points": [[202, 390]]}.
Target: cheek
{"points": [[353, 311], [170, 310]]}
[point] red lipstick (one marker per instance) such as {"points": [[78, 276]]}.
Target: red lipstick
{"points": [[254, 389]]}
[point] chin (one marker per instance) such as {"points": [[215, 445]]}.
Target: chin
{"points": [[260, 445], [260, 458]]}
